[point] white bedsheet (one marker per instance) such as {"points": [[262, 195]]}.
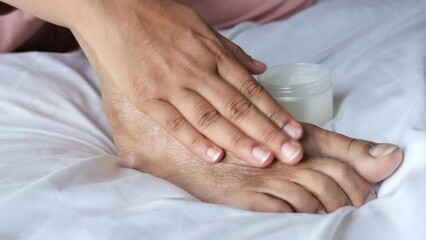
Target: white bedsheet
{"points": [[59, 178]]}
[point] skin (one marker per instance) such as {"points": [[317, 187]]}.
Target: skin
{"points": [[210, 92], [211, 102], [335, 172]]}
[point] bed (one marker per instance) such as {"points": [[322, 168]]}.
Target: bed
{"points": [[60, 178]]}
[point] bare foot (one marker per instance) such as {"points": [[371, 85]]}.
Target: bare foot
{"points": [[374, 162], [331, 175]]}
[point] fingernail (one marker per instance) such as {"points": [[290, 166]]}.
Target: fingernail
{"points": [[371, 197], [258, 63], [260, 154], [290, 150], [214, 154], [321, 211], [382, 150], [293, 131]]}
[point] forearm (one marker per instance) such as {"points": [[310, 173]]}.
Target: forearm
{"points": [[59, 12]]}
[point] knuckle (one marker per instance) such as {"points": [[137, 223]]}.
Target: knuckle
{"points": [[143, 90], [175, 123], [351, 144], [237, 140], [274, 115], [238, 109], [207, 118], [216, 47], [269, 136], [237, 50], [188, 63], [193, 139], [251, 89]]}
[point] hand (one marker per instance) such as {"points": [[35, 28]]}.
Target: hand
{"points": [[193, 82], [335, 172]]}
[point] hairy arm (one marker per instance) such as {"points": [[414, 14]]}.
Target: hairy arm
{"points": [[213, 103]]}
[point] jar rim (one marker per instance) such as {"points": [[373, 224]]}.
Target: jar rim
{"points": [[319, 78]]}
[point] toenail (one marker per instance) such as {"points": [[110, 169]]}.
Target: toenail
{"points": [[293, 131], [260, 154], [290, 150], [214, 154], [370, 197], [382, 150], [321, 211]]}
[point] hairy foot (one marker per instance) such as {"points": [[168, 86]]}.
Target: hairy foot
{"points": [[330, 176], [335, 172]]}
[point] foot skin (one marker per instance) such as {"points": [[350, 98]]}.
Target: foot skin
{"points": [[374, 162], [330, 176]]}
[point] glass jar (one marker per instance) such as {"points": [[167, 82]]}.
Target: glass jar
{"points": [[305, 90]]}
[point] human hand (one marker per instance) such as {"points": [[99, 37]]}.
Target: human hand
{"points": [[192, 81], [336, 170]]}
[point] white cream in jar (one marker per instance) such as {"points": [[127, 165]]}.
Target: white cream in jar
{"points": [[305, 90]]}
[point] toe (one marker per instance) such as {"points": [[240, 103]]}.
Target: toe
{"points": [[356, 188], [374, 162], [324, 188], [297, 197], [380, 161], [254, 201]]}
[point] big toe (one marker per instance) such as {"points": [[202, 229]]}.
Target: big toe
{"points": [[373, 161]]}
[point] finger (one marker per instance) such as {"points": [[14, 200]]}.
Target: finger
{"points": [[204, 117], [374, 162], [255, 93], [169, 118], [299, 198], [328, 192], [356, 188], [244, 115], [252, 65]]}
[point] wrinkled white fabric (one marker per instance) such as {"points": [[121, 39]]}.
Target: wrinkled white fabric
{"points": [[59, 178]]}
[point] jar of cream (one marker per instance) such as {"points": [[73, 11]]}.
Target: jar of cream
{"points": [[305, 90]]}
